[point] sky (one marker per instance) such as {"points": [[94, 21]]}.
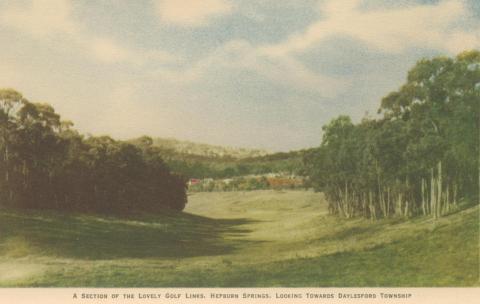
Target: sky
{"points": [[256, 74]]}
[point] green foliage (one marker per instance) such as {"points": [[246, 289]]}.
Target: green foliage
{"points": [[248, 183], [45, 164], [199, 163], [421, 157]]}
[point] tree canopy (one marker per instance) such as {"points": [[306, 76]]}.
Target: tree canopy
{"points": [[421, 156], [46, 164]]}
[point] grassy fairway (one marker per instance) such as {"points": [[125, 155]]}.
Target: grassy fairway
{"points": [[261, 238]]}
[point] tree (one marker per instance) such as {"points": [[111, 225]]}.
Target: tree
{"points": [[10, 102], [421, 157], [48, 165]]}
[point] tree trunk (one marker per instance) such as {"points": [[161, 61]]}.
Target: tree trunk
{"points": [[364, 204], [406, 208], [340, 209], [373, 214], [455, 194], [24, 173], [398, 207], [7, 164], [345, 203], [447, 198], [439, 191], [423, 197], [388, 200], [433, 200]]}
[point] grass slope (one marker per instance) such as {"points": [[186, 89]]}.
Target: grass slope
{"points": [[261, 238]]}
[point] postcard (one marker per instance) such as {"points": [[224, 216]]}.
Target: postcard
{"points": [[220, 151]]}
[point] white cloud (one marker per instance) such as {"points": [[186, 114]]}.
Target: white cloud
{"points": [[44, 19], [108, 51], [389, 30], [40, 18], [240, 55], [459, 41], [191, 13], [288, 72]]}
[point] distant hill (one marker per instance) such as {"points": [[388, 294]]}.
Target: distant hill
{"points": [[198, 160], [206, 150]]}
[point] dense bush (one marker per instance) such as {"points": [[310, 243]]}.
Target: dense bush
{"points": [[247, 183], [45, 164], [197, 166]]}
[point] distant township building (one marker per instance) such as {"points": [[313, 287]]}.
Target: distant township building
{"points": [[194, 181]]}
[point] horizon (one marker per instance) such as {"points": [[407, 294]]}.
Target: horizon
{"points": [[263, 76]]}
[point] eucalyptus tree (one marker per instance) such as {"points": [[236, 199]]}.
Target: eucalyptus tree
{"points": [[10, 103], [420, 157], [49, 165], [440, 103]]}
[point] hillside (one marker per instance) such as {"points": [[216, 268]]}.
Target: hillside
{"points": [[239, 239], [206, 150], [196, 160], [194, 166]]}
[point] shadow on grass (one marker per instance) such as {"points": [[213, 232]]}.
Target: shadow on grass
{"points": [[177, 235], [353, 232], [445, 257]]}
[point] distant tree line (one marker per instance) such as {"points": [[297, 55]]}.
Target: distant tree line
{"points": [[248, 183], [201, 161], [195, 166], [208, 165], [420, 157], [45, 164]]}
